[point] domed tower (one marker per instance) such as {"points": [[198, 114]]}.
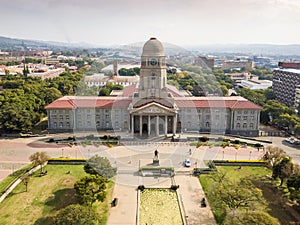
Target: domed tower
{"points": [[153, 110], [153, 75]]}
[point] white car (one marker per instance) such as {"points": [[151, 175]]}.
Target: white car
{"points": [[187, 163], [290, 140]]}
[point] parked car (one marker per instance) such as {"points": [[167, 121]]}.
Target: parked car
{"points": [[187, 163]]}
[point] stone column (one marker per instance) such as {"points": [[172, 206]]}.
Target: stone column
{"points": [[141, 125], [132, 125], [174, 124], [257, 119], [149, 125], [166, 125], [232, 120], [157, 125]]}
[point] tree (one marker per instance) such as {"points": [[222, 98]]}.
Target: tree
{"points": [[76, 214], [249, 218], [293, 184], [273, 155], [101, 166], [90, 188], [25, 180], [39, 158], [234, 195], [283, 169]]}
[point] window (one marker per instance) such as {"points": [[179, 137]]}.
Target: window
{"points": [[61, 117], [252, 117], [217, 117], [98, 123], [251, 125], [207, 117], [238, 125], [244, 125], [54, 124], [207, 124], [88, 117], [68, 125], [54, 117], [245, 118], [89, 123], [67, 117], [238, 117], [246, 112], [239, 112], [61, 125], [106, 116], [252, 111]]}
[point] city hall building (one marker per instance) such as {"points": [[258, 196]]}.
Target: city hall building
{"points": [[153, 107]]}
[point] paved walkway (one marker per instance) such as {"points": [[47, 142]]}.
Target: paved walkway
{"points": [[191, 193], [125, 211]]}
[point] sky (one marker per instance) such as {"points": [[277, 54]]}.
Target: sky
{"points": [[181, 22]]}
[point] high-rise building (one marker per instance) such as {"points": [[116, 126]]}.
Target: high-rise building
{"points": [[286, 83]]}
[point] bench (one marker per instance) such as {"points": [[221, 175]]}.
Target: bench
{"points": [[114, 202]]}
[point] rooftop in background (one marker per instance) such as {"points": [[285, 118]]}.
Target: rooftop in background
{"points": [[289, 65]]}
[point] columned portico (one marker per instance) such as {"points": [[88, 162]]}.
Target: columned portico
{"points": [[153, 125]]}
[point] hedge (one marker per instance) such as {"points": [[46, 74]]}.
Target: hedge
{"points": [[71, 161]]}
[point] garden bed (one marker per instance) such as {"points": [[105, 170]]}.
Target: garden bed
{"points": [[159, 206]]}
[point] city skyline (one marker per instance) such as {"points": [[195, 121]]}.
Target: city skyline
{"points": [[185, 23]]}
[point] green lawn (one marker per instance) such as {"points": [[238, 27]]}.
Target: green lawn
{"points": [[12, 177], [234, 173], [45, 196]]}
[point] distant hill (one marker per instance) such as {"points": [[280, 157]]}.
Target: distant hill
{"points": [[9, 44], [258, 49]]}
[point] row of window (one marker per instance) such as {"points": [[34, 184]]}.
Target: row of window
{"points": [[245, 125], [245, 117]]}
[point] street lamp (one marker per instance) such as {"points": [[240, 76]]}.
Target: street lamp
{"points": [[250, 155], [62, 152], [223, 155], [235, 154]]}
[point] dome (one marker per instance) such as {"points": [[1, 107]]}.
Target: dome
{"points": [[153, 47]]}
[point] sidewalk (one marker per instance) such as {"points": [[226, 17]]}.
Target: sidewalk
{"points": [[125, 211], [191, 193]]}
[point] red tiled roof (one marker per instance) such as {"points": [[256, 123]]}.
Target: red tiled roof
{"points": [[129, 90], [211, 102], [69, 102]]}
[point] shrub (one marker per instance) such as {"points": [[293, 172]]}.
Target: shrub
{"points": [[51, 140], [174, 187], [141, 187], [236, 141], [203, 139]]}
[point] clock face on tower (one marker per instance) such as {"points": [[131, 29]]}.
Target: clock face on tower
{"points": [[153, 62]]}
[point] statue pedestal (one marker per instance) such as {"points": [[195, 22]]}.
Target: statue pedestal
{"points": [[155, 162]]}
